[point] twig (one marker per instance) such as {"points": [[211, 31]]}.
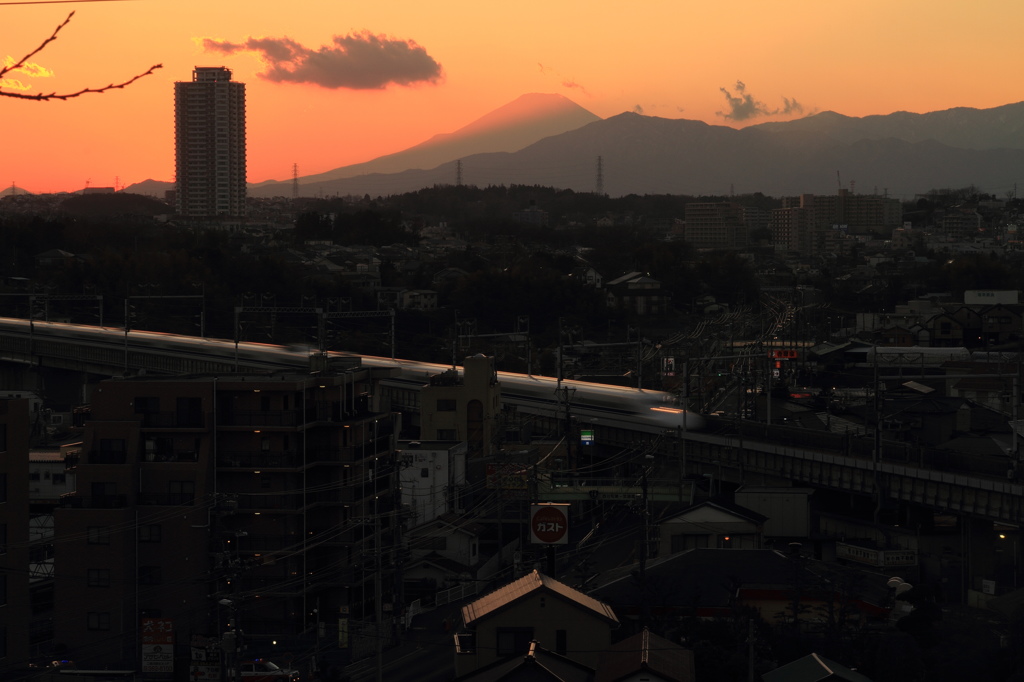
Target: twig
{"points": [[64, 96]]}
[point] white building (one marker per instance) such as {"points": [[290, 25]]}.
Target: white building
{"points": [[431, 475]]}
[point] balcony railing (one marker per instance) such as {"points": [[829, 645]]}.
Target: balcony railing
{"points": [[173, 420], [75, 501], [249, 459], [107, 457], [167, 499], [266, 418]]}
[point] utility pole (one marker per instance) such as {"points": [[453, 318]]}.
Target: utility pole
{"points": [[377, 595]]}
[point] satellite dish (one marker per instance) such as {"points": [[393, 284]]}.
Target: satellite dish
{"points": [[903, 588], [894, 582]]}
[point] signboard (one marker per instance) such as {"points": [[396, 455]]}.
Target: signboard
{"points": [[157, 645], [783, 354], [668, 366], [549, 523], [587, 436], [876, 557], [204, 665], [507, 476]]}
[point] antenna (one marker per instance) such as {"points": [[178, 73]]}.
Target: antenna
{"points": [[458, 173], [599, 186], [839, 180], [295, 181]]}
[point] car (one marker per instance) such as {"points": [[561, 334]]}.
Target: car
{"points": [[262, 670]]}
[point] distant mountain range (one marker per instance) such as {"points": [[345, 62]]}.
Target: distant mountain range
{"points": [[550, 141]]}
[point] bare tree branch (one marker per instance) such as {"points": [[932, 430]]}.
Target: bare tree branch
{"points": [[63, 96]]}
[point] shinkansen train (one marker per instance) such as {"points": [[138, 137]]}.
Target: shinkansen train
{"points": [[598, 404]]}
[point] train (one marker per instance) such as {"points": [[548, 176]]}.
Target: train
{"points": [[589, 403]]}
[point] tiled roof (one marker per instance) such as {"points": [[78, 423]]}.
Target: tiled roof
{"points": [[528, 584], [646, 652]]}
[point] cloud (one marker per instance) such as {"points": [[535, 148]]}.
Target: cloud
{"points": [[792, 106], [743, 106], [569, 83], [30, 69], [573, 85], [357, 61]]}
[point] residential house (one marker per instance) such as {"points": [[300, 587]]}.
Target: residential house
{"points": [[713, 583], [537, 664], [715, 523], [536, 608], [646, 656], [637, 293], [814, 668]]}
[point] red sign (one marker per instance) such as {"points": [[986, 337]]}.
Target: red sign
{"points": [[549, 524], [783, 354]]}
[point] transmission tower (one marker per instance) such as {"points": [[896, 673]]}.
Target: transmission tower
{"points": [[458, 173], [295, 181], [599, 186]]}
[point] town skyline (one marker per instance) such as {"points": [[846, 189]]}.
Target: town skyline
{"points": [[331, 86]]}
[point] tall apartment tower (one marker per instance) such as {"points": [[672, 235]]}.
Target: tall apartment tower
{"points": [[209, 145]]}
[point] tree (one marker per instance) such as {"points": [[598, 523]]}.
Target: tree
{"points": [[42, 97]]}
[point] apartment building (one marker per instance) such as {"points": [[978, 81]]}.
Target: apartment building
{"points": [[209, 503], [209, 145]]}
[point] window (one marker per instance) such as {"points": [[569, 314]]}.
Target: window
{"points": [[446, 434], [59, 479], [111, 451], [512, 641], [190, 412], [3, 487], [446, 405], [150, 533], [98, 577], [98, 535], [33, 475], [181, 492], [149, 575], [3, 538], [147, 404], [3, 589], [561, 641], [425, 472], [98, 620]]}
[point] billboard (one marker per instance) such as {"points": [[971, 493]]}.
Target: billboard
{"points": [[549, 523]]}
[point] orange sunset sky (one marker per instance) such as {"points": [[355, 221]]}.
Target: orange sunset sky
{"points": [[335, 82]]}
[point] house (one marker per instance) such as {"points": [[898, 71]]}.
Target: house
{"points": [[443, 553], [637, 293], [537, 608], [646, 656], [713, 583], [715, 523], [537, 664], [813, 668], [54, 257]]}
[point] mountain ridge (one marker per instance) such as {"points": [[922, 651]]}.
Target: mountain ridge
{"points": [[904, 153]]}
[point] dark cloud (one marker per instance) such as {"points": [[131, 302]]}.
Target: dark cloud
{"points": [[358, 61], [792, 106], [743, 106], [574, 86]]}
